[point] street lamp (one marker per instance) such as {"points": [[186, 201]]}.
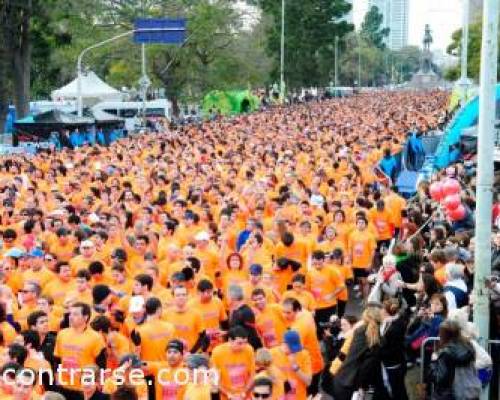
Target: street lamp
{"points": [[282, 57], [336, 62], [103, 43], [464, 83]]}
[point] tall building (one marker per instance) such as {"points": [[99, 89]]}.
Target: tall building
{"points": [[349, 17], [396, 16]]}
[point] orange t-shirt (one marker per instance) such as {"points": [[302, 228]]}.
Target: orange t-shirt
{"points": [[155, 335], [303, 361], [188, 325], [323, 283], [305, 326], [236, 369], [362, 246], [76, 351], [270, 325]]}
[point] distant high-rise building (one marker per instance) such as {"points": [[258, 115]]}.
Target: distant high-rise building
{"points": [[396, 16], [349, 18]]}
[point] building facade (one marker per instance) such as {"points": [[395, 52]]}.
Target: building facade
{"points": [[396, 18]]}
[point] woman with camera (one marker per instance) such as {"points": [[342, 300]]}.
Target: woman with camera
{"points": [[392, 352], [360, 367]]}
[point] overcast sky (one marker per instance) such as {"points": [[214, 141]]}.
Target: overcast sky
{"points": [[443, 16]]}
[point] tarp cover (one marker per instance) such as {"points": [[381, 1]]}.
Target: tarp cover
{"points": [[94, 89], [55, 117]]}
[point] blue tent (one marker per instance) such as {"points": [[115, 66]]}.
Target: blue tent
{"points": [[466, 117]]}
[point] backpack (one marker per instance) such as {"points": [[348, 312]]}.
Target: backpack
{"points": [[466, 384]]}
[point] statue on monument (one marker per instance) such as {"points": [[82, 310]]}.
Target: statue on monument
{"points": [[426, 77], [427, 55]]}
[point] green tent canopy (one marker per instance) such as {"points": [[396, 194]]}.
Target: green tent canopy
{"points": [[230, 102]]}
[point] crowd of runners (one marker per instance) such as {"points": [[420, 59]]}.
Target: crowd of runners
{"points": [[263, 249]]}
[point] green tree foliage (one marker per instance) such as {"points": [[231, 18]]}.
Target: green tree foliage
{"points": [[473, 52], [218, 53], [310, 30], [371, 28]]}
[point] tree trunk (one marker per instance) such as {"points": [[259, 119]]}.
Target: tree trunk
{"points": [[22, 62], [175, 106]]}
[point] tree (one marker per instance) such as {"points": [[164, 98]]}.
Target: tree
{"points": [[473, 52], [371, 30], [310, 30], [406, 61]]}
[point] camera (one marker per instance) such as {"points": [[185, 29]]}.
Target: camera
{"points": [[332, 326]]}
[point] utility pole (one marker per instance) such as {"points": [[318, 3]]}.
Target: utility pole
{"points": [[359, 65], [336, 62], [484, 187], [464, 82], [282, 61]]}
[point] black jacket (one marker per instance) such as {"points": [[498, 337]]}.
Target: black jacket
{"points": [[245, 317], [442, 371], [495, 259], [361, 366], [392, 343]]}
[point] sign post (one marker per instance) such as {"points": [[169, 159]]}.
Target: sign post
{"points": [[164, 31]]}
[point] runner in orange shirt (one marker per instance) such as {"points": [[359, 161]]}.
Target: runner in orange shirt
{"points": [[77, 347], [187, 322], [303, 322], [325, 283], [294, 362], [361, 251], [268, 319], [235, 361]]}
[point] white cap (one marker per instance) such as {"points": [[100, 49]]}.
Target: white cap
{"points": [[94, 218], [87, 243], [136, 304], [202, 236], [317, 200]]}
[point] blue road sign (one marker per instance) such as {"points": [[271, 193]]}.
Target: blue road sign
{"points": [[160, 30]]}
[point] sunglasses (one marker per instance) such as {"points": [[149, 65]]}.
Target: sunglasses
{"points": [[257, 395]]}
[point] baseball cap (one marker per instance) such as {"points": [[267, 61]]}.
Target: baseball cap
{"points": [[135, 361], [36, 253], [292, 340], [15, 252], [136, 304], [202, 236], [194, 361], [176, 344], [255, 269]]}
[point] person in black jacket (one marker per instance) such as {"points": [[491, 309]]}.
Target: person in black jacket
{"points": [[392, 352], [361, 366], [242, 315], [454, 351]]}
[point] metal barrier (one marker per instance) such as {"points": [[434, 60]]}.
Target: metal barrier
{"points": [[490, 343], [422, 354]]}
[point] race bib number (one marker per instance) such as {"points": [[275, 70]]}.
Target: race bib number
{"points": [[70, 363], [237, 376], [381, 225], [316, 293], [270, 339], [359, 249], [169, 391]]}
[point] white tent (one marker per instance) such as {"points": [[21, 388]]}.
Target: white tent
{"points": [[94, 90]]}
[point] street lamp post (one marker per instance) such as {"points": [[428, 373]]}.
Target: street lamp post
{"points": [[79, 68], [282, 56], [336, 61], [484, 187], [464, 82]]}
